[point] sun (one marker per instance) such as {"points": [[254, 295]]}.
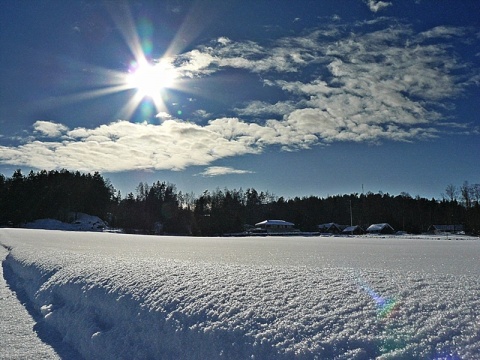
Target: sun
{"points": [[150, 79], [146, 81]]}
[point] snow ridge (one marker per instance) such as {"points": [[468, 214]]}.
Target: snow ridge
{"points": [[18, 341], [118, 307]]}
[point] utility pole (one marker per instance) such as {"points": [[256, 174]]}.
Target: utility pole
{"points": [[351, 215]]}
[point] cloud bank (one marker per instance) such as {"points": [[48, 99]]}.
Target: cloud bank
{"points": [[373, 82]]}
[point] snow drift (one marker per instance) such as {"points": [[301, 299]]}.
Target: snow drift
{"points": [[134, 297]]}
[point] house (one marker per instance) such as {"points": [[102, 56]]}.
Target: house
{"points": [[383, 228], [445, 229], [330, 228], [353, 230], [275, 226]]}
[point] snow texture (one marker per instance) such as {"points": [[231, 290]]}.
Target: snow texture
{"points": [[116, 296]]}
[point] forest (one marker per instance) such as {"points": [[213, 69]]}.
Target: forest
{"points": [[160, 209]]}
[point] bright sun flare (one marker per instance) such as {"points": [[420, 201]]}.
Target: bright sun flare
{"points": [[149, 79]]}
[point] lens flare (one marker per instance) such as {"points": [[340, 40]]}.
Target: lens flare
{"points": [[386, 307]]}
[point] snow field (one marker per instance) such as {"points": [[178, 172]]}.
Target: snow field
{"points": [[113, 304]]}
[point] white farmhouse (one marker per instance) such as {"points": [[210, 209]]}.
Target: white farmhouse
{"points": [[275, 226]]}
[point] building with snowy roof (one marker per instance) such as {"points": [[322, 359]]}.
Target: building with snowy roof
{"points": [[353, 230], [330, 228], [276, 226], [382, 228], [444, 229]]}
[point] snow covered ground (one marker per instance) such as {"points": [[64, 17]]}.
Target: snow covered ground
{"points": [[116, 296]]}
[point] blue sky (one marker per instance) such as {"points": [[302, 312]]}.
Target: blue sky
{"points": [[296, 98]]}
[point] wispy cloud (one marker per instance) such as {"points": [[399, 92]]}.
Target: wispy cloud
{"points": [[373, 82], [222, 170], [224, 53], [201, 113], [442, 32], [262, 108]]}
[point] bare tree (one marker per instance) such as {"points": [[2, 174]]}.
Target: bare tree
{"points": [[467, 193], [451, 192], [476, 193], [142, 191]]}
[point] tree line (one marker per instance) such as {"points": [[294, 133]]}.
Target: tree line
{"points": [[160, 208], [53, 194]]}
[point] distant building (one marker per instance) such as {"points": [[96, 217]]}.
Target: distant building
{"points": [[330, 228], [353, 230], [446, 229], [383, 228], [275, 226]]}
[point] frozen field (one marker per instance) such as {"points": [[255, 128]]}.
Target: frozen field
{"points": [[113, 296]]}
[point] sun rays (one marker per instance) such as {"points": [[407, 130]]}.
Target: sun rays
{"points": [[148, 77], [145, 78]]}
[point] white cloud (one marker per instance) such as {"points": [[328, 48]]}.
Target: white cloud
{"points": [[262, 108], [376, 89], [370, 85], [243, 55], [442, 32], [201, 113], [123, 146], [223, 40], [163, 115], [49, 129], [194, 63], [375, 5], [222, 170]]}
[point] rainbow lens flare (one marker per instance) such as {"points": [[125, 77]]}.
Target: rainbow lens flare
{"points": [[386, 307]]}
